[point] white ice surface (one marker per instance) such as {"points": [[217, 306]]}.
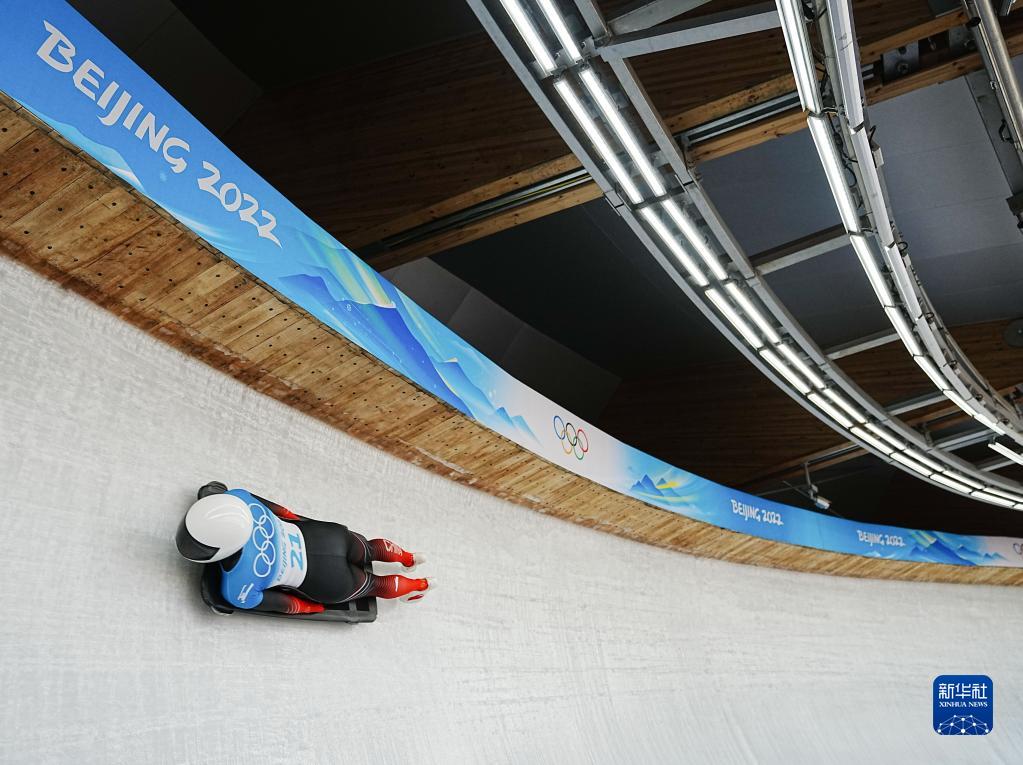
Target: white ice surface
{"points": [[546, 642]]}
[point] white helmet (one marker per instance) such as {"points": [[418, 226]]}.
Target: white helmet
{"points": [[214, 528]]}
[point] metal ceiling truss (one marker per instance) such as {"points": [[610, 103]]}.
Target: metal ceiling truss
{"points": [[592, 97], [996, 92], [840, 127]]}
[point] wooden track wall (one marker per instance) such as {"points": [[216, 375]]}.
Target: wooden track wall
{"points": [[74, 223]]}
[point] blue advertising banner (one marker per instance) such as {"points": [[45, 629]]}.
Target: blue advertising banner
{"points": [[75, 80]]}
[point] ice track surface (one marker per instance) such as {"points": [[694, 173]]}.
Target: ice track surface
{"points": [[546, 643]]}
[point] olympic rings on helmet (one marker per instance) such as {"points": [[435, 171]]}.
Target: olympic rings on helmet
{"points": [[573, 440]]}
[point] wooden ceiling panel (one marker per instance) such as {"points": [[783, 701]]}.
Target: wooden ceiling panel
{"points": [[385, 147]]}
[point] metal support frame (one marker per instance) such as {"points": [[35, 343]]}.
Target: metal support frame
{"points": [[715, 26], [860, 344], [916, 402], [802, 249], [965, 381], [995, 55], [651, 13], [996, 464], [694, 200], [1009, 156], [996, 93]]}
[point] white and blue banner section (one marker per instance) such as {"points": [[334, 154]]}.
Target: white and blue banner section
{"points": [[75, 80]]}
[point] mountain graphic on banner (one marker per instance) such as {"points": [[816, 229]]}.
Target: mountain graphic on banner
{"points": [[937, 552], [380, 331], [479, 405], [667, 491]]}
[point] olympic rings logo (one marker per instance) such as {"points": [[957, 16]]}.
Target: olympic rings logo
{"points": [[573, 440], [267, 553]]}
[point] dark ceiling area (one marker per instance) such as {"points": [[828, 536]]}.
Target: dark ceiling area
{"points": [[583, 278], [278, 45], [411, 113]]}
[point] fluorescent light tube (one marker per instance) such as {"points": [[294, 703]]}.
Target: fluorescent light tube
{"points": [[676, 249], [913, 465], [734, 318], [875, 442], [987, 422], [872, 186], [695, 238], [884, 435], [904, 282], [932, 372], [992, 498], [560, 29], [568, 95], [839, 399], [847, 53], [950, 483], [802, 366], [865, 254], [925, 460], [794, 380], [925, 332], [902, 327], [830, 410], [1004, 494], [820, 131], [751, 311], [1005, 451], [528, 31], [800, 55], [955, 399], [628, 140], [967, 480]]}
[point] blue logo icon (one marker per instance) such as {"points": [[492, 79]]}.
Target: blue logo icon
{"points": [[964, 705]]}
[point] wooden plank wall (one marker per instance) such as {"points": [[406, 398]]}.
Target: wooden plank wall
{"points": [[74, 223]]}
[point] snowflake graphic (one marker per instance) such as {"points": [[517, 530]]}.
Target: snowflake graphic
{"points": [[963, 725]]}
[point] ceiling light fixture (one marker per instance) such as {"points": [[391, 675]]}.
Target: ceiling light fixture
{"points": [[802, 366], [528, 31], [865, 254], [944, 480], [734, 318], [905, 333], [560, 29], [751, 311], [824, 140], [884, 435], [830, 410], [571, 99], [1005, 451], [932, 372], [913, 465], [988, 497], [863, 435], [839, 399], [695, 238], [800, 55], [847, 53], [872, 186], [625, 135], [676, 249], [779, 366]]}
